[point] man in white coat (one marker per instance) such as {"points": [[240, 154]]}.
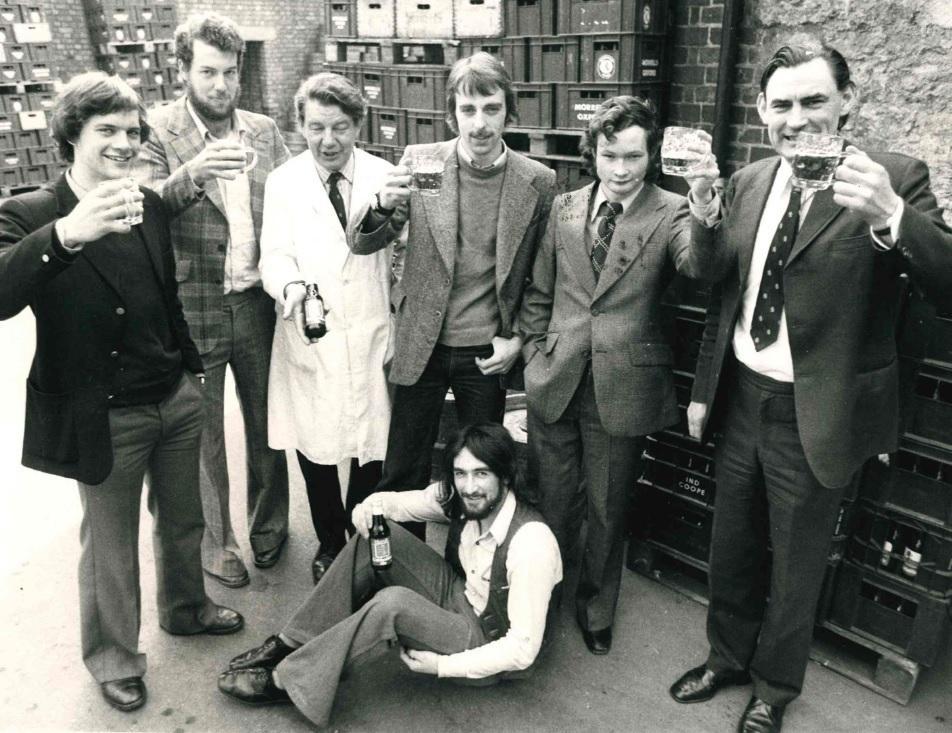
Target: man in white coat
{"points": [[327, 397]]}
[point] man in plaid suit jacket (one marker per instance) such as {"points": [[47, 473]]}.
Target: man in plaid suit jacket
{"points": [[198, 158]]}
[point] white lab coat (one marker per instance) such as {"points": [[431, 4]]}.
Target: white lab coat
{"points": [[328, 400]]}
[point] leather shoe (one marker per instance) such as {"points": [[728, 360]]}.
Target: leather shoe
{"points": [[231, 581], [266, 656], [760, 717], [226, 621], [701, 684], [125, 694], [253, 686], [269, 558], [598, 642], [322, 563]]}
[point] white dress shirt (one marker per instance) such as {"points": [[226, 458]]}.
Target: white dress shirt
{"points": [[345, 184], [241, 255], [597, 200], [533, 568]]}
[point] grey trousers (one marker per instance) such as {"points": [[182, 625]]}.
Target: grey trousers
{"points": [[158, 443], [343, 620], [583, 471], [245, 345]]}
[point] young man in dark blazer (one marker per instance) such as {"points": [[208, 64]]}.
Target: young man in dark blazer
{"points": [[798, 370], [114, 391]]}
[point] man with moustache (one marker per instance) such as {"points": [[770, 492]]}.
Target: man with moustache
{"points": [[197, 159], [469, 251], [798, 370], [479, 614]]}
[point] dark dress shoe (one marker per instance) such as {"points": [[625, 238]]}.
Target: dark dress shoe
{"points": [[266, 656], [125, 694], [253, 686], [598, 642], [701, 684], [322, 563], [231, 581], [269, 558], [226, 621], [760, 717]]}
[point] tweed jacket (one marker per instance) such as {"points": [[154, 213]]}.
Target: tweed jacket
{"points": [[568, 319], [419, 300], [199, 225], [80, 318], [842, 298]]}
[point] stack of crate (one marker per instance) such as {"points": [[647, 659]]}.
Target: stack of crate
{"points": [[134, 39], [27, 92], [894, 589]]}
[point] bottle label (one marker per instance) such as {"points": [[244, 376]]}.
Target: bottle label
{"points": [[313, 311], [380, 551]]}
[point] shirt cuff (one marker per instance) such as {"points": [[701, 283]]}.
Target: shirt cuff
{"points": [[708, 214], [446, 668], [880, 242]]}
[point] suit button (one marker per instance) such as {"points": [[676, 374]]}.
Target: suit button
{"points": [[120, 311], [113, 354], [45, 258], [109, 396], [438, 314]]}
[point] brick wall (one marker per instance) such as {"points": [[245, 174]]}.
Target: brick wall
{"points": [[71, 49]]}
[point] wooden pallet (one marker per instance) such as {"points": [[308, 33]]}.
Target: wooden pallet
{"points": [[854, 656]]}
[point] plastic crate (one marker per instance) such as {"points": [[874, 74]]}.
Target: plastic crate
{"points": [[6, 33], [927, 408], [612, 16], [918, 481], [427, 127], [675, 468], [478, 18], [389, 126], [554, 58], [387, 152], [531, 17], [380, 86], [354, 72], [926, 333], [534, 103], [14, 103], [7, 142], [622, 57], [675, 523], [427, 19], [11, 73], [7, 122], [340, 18], [513, 52], [376, 18], [422, 87], [32, 120], [40, 156], [570, 175], [886, 611], [14, 53], [32, 33], [576, 103], [10, 13]]}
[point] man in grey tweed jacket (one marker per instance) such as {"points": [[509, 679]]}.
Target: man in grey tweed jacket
{"points": [[196, 158]]}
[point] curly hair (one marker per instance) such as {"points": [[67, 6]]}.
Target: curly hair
{"points": [[214, 29], [616, 114], [87, 95]]}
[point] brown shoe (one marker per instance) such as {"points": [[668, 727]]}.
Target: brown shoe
{"points": [[125, 694]]}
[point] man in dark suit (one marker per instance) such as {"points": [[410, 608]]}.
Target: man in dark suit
{"points": [[469, 251], [598, 366], [798, 369], [196, 158], [114, 391]]}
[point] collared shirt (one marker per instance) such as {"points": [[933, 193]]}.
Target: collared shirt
{"points": [[533, 568], [241, 256], [345, 184], [467, 158], [597, 200]]}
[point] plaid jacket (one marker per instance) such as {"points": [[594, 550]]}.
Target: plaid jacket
{"points": [[199, 227]]}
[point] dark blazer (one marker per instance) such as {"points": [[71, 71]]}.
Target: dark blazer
{"points": [[842, 300], [79, 325], [420, 298], [567, 318]]}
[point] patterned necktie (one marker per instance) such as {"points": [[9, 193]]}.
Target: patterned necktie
{"points": [[608, 212], [766, 323], [337, 201]]}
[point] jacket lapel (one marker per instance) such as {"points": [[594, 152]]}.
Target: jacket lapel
{"points": [[518, 202], [747, 209], [186, 140], [65, 202], [259, 174], [631, 236], [573, 219], [822, 211], [152, 244], [442, 212]]}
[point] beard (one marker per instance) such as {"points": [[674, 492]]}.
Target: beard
{"points": [[478, 514], [208, 112]]}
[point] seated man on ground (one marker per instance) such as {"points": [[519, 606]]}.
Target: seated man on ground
{"points": [[480, 613]]}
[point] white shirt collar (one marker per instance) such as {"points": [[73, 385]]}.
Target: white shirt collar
{"points": [[625, 202], [347, 171], [497, 163], [237, 124]]}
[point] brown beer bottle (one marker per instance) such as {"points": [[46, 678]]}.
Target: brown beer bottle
{"points": [[314, 323], [381, 558]]}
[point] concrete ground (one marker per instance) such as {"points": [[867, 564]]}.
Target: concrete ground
{"points": [[658, 635]]}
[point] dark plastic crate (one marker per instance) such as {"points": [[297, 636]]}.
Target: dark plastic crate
{"points": [[427, 127], [354, 72], [927, 407], [622, 57], [685, 472], [422, 87], [534, 103], [672, 522], [513, 52], [340, 18], [917, 481], [554, 58], [531, 17], [571, 175], [926, 332], [13, 103], [390, 126], [380, 86], [888, 613], [613, 16], [576, 103]]}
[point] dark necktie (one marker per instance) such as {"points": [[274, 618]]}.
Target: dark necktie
{"points": [[337, 201], [766, 322], [607, 212]]}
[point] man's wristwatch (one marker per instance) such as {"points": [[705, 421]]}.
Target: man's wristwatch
{"points": [[380, 208]]}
